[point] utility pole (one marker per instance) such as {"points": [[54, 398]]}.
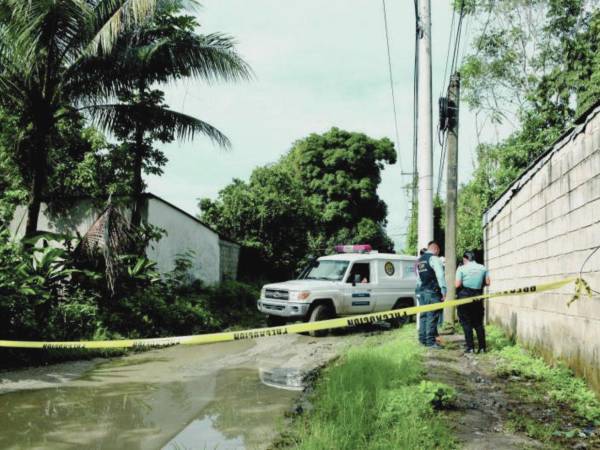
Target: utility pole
{"points": [[451, 193], [424, 130]]}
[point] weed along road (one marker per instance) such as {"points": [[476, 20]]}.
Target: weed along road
{"points": [[227, 395]]}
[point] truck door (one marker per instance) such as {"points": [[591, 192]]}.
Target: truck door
{"points": [[358, 291], [385, 288]]}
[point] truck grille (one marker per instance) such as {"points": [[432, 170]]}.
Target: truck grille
{"points": [[277, 294]]}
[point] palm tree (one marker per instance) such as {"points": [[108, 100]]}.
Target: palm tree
{"points": [[163, 49], [43, 46], [51, 63]]}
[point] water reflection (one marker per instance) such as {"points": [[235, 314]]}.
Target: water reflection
{"points": [[151, 403], [283, 378], [245, 412]]}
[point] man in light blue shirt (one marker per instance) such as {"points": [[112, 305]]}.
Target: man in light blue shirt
{"points": [[432, 289], [471, 278]]}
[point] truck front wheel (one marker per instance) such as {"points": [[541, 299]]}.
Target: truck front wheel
{"points": [[320, 312]]}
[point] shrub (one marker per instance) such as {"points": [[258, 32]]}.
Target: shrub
{"points": [[439, 395]]}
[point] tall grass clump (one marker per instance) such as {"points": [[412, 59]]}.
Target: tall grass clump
{"points": [[375, 398]]}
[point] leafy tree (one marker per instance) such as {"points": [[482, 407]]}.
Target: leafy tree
{"points": [[268, 215], [47, 54], [534, 64], [340, 172], [12, 191], [323, 192], [163, 49]]}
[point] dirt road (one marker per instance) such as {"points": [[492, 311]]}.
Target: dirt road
{"points": [[480, 418], [230, 395]]}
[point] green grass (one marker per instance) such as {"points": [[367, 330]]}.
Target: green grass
{"points": [[554, 405], [375, 397], [556, 384], [540, 431]]}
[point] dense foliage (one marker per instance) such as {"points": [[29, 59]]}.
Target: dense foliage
{"points": [[46, 295], [323, 192], [70, 70], [269, 215]]}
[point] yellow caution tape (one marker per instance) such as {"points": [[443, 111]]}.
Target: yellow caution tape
{"points": [[289, 329]]}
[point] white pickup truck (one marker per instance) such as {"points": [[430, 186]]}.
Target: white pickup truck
{"points": [[341, 285]]}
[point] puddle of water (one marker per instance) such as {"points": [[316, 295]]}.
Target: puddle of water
{"points": [[246, 414], [171, 399], [211, 437], [283, 378]]}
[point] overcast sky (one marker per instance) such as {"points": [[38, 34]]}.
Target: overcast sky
{"points": [[318, 64]]}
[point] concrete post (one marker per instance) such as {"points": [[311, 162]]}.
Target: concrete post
{"points": [[424, 129], [451, 194]]}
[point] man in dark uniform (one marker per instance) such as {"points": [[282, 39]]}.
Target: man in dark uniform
{"points": [[471, 278], [432, 290]]}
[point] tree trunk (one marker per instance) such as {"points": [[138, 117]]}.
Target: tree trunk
{"points": [[38, 160], [138, 186], [35, 200], [139, 150]]}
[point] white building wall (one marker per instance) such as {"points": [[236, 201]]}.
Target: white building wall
{"points": [[544, 233], [183, 234], [78, 220]]}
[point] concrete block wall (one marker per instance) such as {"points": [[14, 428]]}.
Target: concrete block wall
{"points": [[230, 257], [544, 233]]}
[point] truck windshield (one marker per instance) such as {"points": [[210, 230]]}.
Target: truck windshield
{"points": [[327, 270]]}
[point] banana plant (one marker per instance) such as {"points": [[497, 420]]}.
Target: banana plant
{"points": [[140, 268]]}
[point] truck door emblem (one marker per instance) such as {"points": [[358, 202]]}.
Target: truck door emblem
{"points": [[389, 268]]}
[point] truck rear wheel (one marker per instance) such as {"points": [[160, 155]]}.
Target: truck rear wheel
{"points": [[401, 303], [275, 321], [320, 312]]}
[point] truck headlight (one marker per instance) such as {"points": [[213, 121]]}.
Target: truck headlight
{"points": [[263, 292], [299, 295]]}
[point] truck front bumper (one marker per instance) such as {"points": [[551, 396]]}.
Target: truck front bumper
{"points": [[282, 308]]}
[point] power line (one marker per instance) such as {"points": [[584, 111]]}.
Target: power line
{"points": [[448, 52], [418, 35], [455, 38], [442, 163], [389, 58]]}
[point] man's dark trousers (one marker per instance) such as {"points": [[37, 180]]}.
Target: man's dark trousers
{"points": [[430, 319], [471, 318]]}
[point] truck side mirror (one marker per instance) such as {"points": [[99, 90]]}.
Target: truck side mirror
{"points": [[356, 279]]}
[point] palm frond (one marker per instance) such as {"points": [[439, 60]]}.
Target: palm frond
{"points": [[111, 17], [209, 57], [158, 55], [182, 125], [41, 31], [109, 237]]}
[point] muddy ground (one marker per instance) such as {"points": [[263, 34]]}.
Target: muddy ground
{"points": [[487, 405], [236, 396], [230, 395]]}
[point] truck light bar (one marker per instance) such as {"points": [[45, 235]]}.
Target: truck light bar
{"points": [[359, 248]]}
